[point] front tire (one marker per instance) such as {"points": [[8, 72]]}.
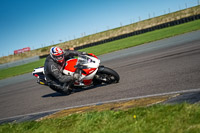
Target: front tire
{"points": [[106, 75]]}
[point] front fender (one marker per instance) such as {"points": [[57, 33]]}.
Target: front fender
{"points": [[100, 69]]}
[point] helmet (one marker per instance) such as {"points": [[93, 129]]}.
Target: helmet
{"points": [[57, 54]]}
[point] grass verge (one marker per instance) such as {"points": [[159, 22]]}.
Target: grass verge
{"points": [[157, 118], [144, 38], [22, 69], [113, 46]]}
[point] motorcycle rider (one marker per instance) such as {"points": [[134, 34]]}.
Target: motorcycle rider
{"points": [[53, 68]]}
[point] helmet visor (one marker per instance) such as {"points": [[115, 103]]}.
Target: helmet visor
{"points": [[59, 57]]}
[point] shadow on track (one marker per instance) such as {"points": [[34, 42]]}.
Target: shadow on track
{"points": [[56, 94]]}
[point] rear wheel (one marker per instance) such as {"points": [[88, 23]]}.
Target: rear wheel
{"points": [[106, 75]]}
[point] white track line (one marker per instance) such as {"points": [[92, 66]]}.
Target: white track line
{"points": [[103, 102]]}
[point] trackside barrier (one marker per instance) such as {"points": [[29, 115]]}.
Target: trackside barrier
{"points": [[20, 62], [161, 26]]}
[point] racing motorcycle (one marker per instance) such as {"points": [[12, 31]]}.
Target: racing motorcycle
{"points": [[90, 71]]}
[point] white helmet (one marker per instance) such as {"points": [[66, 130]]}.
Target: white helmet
{"points": [[57, 54]]}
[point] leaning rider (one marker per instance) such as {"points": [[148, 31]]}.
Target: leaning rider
{"points": [[53, 69]]}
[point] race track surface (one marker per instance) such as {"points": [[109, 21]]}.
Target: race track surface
{"points": [[168, 65]]}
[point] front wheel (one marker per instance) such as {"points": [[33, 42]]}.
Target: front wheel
{"points": [[106, 75]]}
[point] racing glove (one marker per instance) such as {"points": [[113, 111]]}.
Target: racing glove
{"points": [[76, 76], [84, 53]]}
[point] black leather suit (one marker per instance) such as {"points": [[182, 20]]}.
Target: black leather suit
{"points": [[54, 71]]}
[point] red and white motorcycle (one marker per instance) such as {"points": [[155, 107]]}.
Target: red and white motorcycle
{"points": [[91, 72]]}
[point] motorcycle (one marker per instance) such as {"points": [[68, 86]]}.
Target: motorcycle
{"points": [[90, 71]]}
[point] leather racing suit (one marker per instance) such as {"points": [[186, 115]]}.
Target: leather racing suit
{"points": [[54, 71]]}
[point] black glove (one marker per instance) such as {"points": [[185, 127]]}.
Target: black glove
{"points": [[76, 76]]}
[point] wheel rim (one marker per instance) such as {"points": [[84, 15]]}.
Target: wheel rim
{"points": [[110, 79]]}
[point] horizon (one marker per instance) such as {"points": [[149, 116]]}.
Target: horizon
{"points": [[26, 32]]}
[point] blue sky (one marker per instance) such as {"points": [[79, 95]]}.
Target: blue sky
{"points": [[38, 23]]}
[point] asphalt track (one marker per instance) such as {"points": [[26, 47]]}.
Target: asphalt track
{"points": [[163, 66]]}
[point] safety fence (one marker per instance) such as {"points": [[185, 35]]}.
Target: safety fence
{"points": [[160, 26], [19, 62]]}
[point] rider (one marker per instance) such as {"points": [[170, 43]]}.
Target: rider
{"points": [[53, 68]]}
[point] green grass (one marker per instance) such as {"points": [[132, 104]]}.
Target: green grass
{"points": [[144, 38], [180, 118], [22, 69], [113, 46]]}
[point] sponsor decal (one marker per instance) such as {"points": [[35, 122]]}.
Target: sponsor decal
{"points": [[22, 50]]}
